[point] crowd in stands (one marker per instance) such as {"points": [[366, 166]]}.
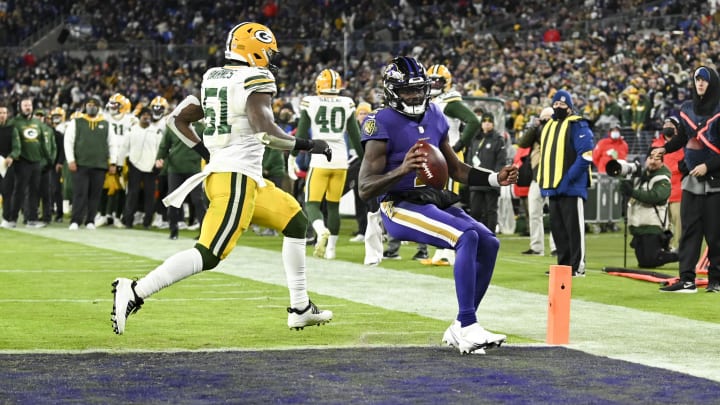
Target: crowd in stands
{"points": [[546, 46]]}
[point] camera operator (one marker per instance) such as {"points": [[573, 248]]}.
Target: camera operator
{"points": [[648, 192]]}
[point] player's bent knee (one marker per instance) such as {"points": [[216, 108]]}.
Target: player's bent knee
{"points": [[297, 226], [210, 261]]}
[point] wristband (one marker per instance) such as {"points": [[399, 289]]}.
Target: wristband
{"points": [[202, 150], [478, 178]]}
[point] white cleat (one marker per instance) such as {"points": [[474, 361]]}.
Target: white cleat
{"points": [[125, 302], [330, 254], [309, 316], [321, 243], [472, 339]]}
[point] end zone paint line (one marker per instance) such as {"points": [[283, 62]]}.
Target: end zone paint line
{"points": [[599, 329]]}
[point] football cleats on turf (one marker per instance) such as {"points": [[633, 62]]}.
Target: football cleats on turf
{"points": [[251, 43], [406, 85], [441, 79], [328, 82], [158, 107]]}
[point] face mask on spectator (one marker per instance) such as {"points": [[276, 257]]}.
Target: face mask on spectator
{"points": [[615, 134], [560, 113], [668, 132]]}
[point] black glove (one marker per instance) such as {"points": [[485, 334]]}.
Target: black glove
{"points": [[319, 146], [626, 188], [202, 151]]}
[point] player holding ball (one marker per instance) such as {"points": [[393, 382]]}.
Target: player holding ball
{"points": [[397, 169]]}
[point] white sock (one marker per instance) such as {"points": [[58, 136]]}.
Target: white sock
{"points": [[332, 242], [293, 254], [373, 238], [175, 268], [318, 226]]}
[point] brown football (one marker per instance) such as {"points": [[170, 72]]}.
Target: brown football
{"points": [[434, 172]]}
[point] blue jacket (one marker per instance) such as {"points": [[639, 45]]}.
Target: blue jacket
{"points": [[574, 156]]}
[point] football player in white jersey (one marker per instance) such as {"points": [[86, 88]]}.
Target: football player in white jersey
{"points": [[457, 113], [236, 103], [112, 200], [327, 116]]}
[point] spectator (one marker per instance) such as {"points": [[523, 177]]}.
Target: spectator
{"points": [[487, 151], [182, 163], [28, 166], [566, 145], [141, 148], [536, 201], [612, 147], [361, 206], [58, 179], [647, 212], [672, 161], [9, 152], [90, 153], [701, 184], [48, 168]]}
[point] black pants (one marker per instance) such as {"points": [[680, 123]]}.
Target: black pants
{"points": [[650, 250], [87, 188], [484, 207], [56, 190], [7, 185], [136, 180], [567, 224], [175, 215], [46, 194], [27, 189], [700, 217]]}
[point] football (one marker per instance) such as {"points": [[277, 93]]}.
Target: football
{"points": [[434, 172]]}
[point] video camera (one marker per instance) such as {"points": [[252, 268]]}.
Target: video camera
{"points": [[622, 168]]}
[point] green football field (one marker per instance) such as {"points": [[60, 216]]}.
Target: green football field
{"points": [[55, 297]]}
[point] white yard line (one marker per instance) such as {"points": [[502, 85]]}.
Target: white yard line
{"points": [[617, 332]]}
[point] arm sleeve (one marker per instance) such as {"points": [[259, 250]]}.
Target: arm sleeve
{"points": [[458, 109], [69, 142], [354, 135]]}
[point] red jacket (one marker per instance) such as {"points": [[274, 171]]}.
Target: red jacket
{"points": [[608, 149], [671, 160], [520, 153]]}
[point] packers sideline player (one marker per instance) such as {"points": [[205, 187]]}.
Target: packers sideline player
{"points": [[236, 103], [327, 116]]}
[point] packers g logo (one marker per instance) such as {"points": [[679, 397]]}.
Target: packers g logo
{"points": [[30, 133], [369, 127], [263, 36]]}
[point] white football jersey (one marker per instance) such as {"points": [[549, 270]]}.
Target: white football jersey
{"points": [[228, 135], [120, 125], [442, 100], [328, 121]]}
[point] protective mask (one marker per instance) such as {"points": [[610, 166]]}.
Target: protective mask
{"points": [[668, 132], [91, 110], [615, 134], [560, 113]]}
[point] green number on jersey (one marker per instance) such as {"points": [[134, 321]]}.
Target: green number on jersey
{"points": [[336, 121], [215, 109]]}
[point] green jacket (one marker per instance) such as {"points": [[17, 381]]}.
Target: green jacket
{"points": [[32, 138], [273, 163], [90, 143], [179, 158], [50, 146]]}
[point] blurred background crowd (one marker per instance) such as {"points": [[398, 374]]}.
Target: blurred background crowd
{"points": [[627, 63], [629, 59]]}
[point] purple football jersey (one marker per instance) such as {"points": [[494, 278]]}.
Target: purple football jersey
{"points": [[401, 133]]}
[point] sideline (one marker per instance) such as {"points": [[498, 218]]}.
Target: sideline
{"points": [[605, 330]]}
